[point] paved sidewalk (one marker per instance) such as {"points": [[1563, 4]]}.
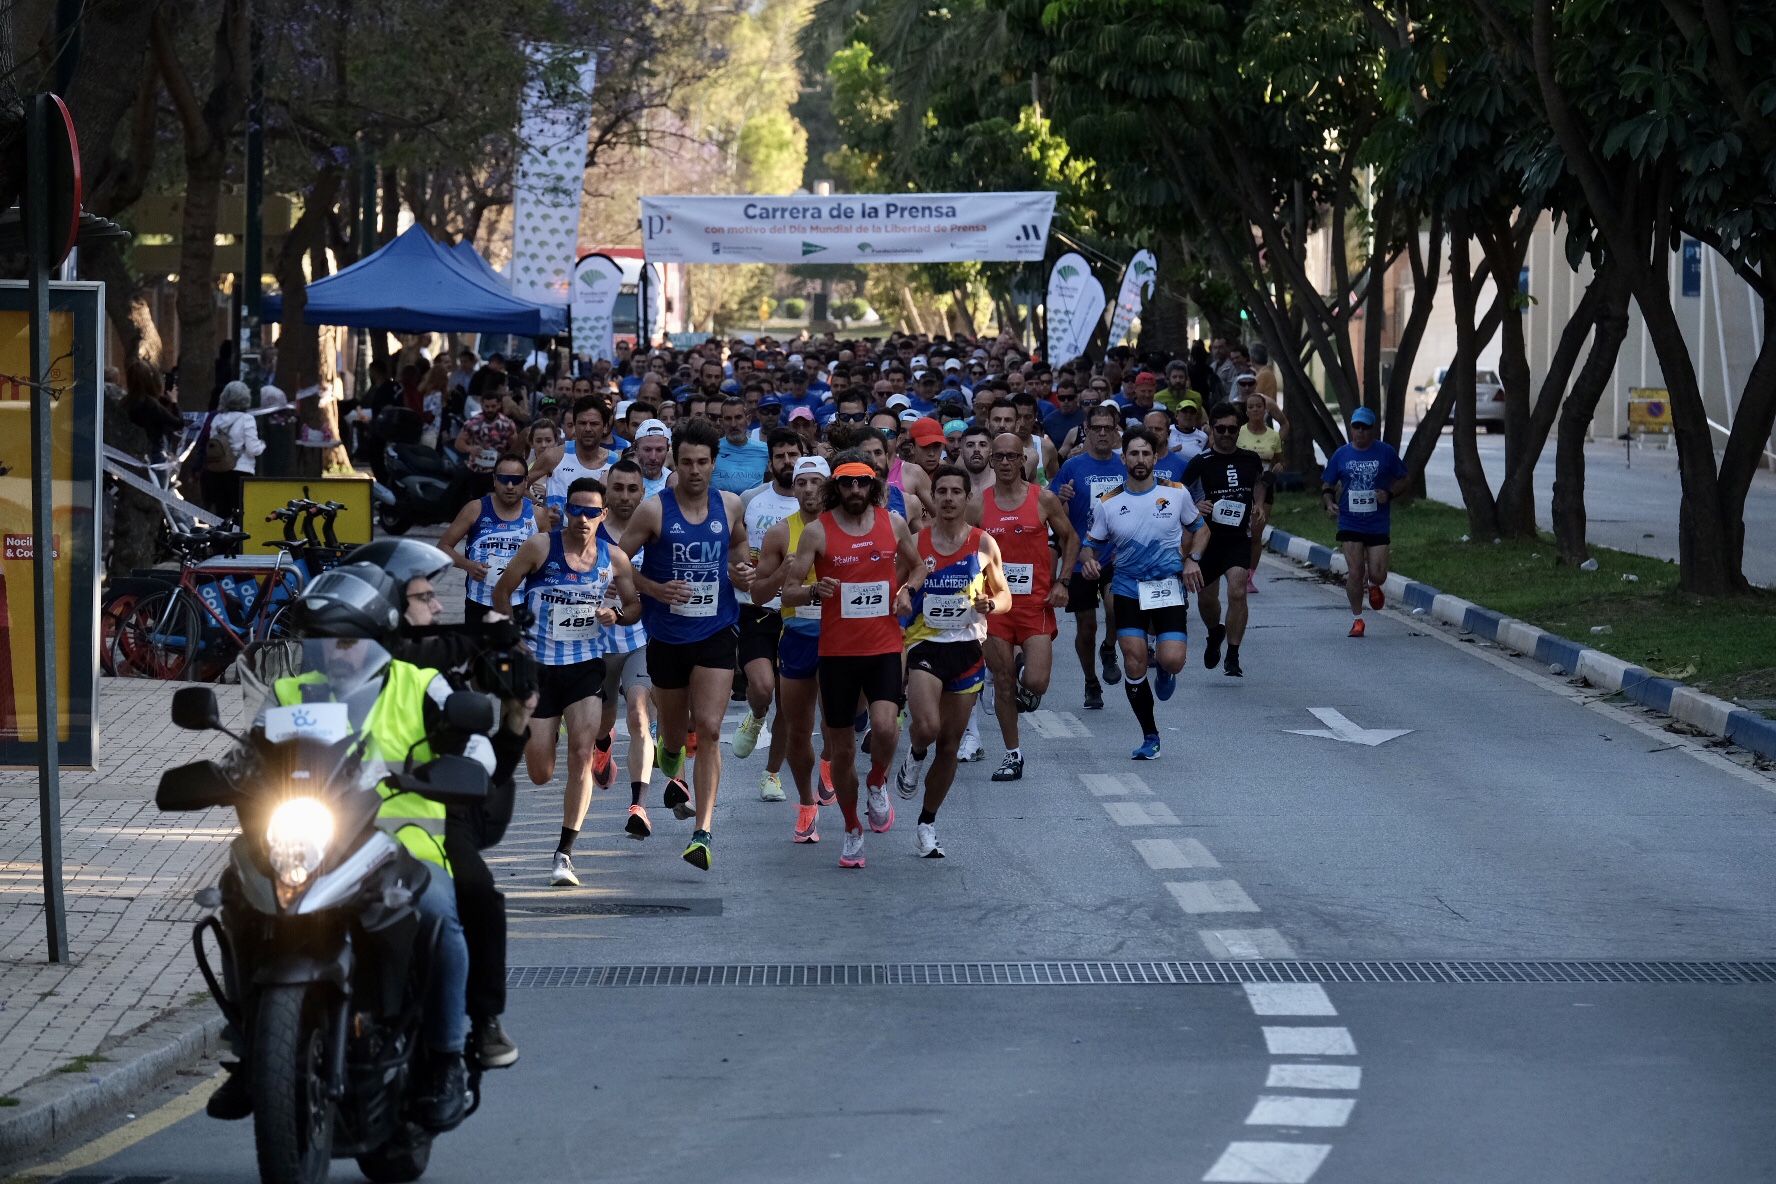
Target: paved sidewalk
{"points": [[129, 875]]}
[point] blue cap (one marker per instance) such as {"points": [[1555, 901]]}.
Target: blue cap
{"points": [[1364, 416], [770, 401]]}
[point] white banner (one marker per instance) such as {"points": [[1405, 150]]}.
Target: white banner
{"points": [[1074, 309], [556, 119], [597, 279], [1131, 295], [848, 228]]}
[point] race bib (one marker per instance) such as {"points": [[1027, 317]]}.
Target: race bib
{"points": [[864, 600], [1021, 577], [1165, 593], [953, 610], [704, 599], [1228, 512], [1362, 501], [325, 722], [486, 459], [1099, 486], [573, 622]]}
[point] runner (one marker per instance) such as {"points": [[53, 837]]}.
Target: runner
{"points": [[495, 527], [566, 574], [1233, 483], [653, 444], [687, 587], [1141, 526], [944, 659], [798, 653], [868, 570], [761, 625], [1083, 479], [625, 665], [976, 457], [589, 458], [1360, 481], [1257, 436], [1020, 517]]}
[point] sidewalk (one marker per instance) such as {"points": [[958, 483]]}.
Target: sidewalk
{"points": [[129, 874]]}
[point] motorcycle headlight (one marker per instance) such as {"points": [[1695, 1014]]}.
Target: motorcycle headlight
{"points": [[296, 839]]}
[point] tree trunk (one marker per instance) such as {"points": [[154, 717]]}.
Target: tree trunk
{"points": [[1752, 422], [1426, 278], [1505, 261], [196, 301], [1568, 504], [298, 357], [1469, 474]]}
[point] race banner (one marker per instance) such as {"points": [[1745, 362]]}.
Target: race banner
{"points": [[1131, 295], [554, 124], [848, 228], [597, 281], [1075, 308]]}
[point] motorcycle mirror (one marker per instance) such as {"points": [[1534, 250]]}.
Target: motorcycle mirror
{"points": [[195, 710], [472, 712], [197, 786]]}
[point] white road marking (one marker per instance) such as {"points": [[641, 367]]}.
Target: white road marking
{"points": [[1141, 814], [1108, 785], [1289, 999], [1212, 896], [1057, 725], [1268, 1163], [1075, 723], [1167, 854], [1314, 1077], [1282, 1110], [1309, 1042], [1246, 943], [1339, 728]]}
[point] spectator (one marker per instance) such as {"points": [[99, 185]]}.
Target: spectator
{"points": [[232, 451]]}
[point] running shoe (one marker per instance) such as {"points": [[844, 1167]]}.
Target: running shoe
{"points": [[691, 742], [1252, 588], [806, 819], [746, 736], [604, 770], [562, 874], [1376, 599], [1010, 769], [1212, 648], [929, 847], [879, 809], [1027, 700], [1356, 628], [1112, 673], [825, 794], [1094, 697], [1232, 668], [851, 855], [1165, 684], [770, 788], [1149, 750], [638, 825], [910, 774], [969, 750], [678, 798], [671, 764], [697, 853]]}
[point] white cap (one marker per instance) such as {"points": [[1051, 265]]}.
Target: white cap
{"points": [[910, 416], [832, 365], [900, 401], [812, 464], [653, 427], [919, 362], [622, 408], [953, 364], [795, 362]]}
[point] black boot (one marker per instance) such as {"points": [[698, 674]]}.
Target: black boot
{"points": [[446, 1093], [233, 1099]]}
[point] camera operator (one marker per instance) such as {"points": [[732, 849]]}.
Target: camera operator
{"points": [[485, 657]]}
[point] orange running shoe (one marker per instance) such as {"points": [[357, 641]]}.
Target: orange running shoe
{"points": [[826, 795], [1375, 597], [604, 770], [806, 818], [638, 825], [1357, 627]]}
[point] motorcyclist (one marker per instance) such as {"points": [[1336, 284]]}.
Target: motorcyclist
{"points": [[462, 655], [342, 616]]}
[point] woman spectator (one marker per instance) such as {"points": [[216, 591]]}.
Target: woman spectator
{"points": [[148, 407], [232, 452]]}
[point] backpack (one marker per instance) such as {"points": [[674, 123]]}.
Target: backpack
{"points": [[219, 454]]}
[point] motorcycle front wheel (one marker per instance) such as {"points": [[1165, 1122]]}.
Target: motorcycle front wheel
{"points": [[292, 1115], [399, 1161]]}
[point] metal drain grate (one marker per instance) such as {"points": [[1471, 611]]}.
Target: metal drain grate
{"points": [[1071, 974], [593, 908]]}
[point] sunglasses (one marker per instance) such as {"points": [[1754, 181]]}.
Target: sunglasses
{"points": [[1008, 456], [1220, 430], [508, 479], [1103, 427], [852, 416], [856, 482], [574, 511], [425, 597], [1068, 396]]}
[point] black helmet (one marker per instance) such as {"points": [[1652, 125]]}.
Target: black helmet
{"points": [[403, 559], [352, 600]]}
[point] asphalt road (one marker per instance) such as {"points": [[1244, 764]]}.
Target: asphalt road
{"points": [[1511, 824]]}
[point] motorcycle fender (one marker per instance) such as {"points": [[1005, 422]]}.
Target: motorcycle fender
{"points": [[256, 888], [296, 969]]}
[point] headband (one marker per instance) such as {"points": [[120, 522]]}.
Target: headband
{"points": [[856, 468]]}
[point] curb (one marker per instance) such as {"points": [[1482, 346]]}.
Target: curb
{"points": [[56, 1106], [1637, 684]]}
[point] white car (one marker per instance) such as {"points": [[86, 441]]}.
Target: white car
{"points": [[1489, 398]]}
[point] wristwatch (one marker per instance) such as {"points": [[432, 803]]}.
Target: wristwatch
{"points": [[1192, 559]]}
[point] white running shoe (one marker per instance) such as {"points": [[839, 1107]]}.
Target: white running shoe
{"points": [[879, 809], [929, 847], [910, 774], [746, 736], [852, 853], [969, 750], [770, 788], [562, 875]]}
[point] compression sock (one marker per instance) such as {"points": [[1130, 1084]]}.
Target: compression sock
{"points": [[927, 816], [566, 845], [1140, 697], [672, 763], [861, 723], [636, 790]]}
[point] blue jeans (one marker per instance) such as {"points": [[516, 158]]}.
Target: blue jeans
{"points": [[446, 1018]]}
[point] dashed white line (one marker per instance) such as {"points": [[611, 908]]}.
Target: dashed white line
{"points": [[1170, 854], [1309, 1042], [1057, 725], [1283, 1110], [1141, 814], [1246, 943], [1268, 1163], [1289, 999], [1107, 785], [1212, 896], [1314, 1077]]}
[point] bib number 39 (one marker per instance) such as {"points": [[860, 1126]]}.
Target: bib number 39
{"points": [[1165, 593], [864, 600]]}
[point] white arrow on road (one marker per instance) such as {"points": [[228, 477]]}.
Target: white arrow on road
{"points": [[1339, 728]]}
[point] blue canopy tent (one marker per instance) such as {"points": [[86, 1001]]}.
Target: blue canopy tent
{"points": [[417, 285]]}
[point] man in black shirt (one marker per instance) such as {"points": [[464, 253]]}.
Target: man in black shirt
{"points": [[1231, 504]]}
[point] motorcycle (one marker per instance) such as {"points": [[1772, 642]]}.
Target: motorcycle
{"points": [[324, 957], [428, 487]]}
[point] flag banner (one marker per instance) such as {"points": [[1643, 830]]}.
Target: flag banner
{"points": [[553, 126], [1075, 307], [1131, 295], [597, 281], [848, 228]]}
